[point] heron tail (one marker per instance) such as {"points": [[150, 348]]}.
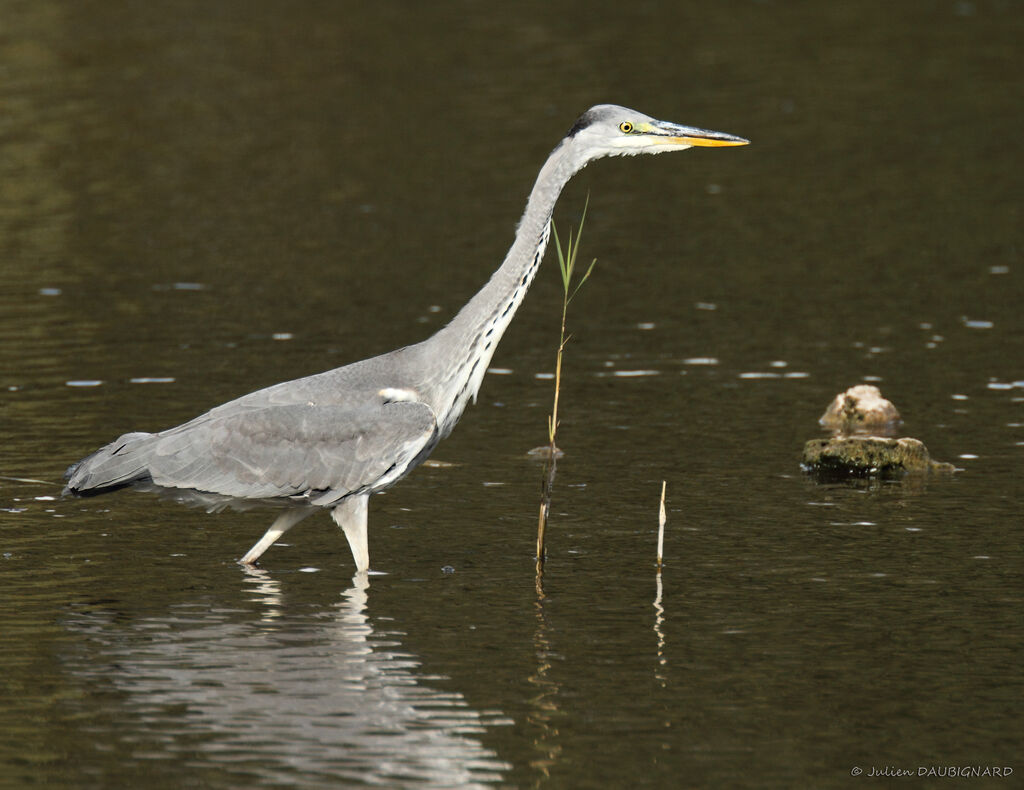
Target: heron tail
{"points": [[117, 465]]}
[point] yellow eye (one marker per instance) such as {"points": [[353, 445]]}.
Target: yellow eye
{"points": [[625, 127]]}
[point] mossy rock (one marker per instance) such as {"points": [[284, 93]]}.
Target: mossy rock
{"points": [[869, 456]]}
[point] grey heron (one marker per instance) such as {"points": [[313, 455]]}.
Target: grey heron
{"points": [[331, 440]]}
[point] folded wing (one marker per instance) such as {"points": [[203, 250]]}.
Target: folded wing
{"points": [[320, 453]]}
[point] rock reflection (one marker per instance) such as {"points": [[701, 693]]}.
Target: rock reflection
{"points": [[321, 699]]}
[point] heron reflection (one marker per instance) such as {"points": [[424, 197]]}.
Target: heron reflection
{"points": [[287, 697]]}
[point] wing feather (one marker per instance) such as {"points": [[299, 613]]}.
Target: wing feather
{"points": [[324, 452]]}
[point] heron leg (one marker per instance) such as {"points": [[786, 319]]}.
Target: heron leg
{"points": [[288, 519], [350, 515]]}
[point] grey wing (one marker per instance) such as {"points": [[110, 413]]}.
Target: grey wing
{"points": [[319, 452]]}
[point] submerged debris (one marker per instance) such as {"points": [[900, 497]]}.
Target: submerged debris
{"points": [[863, 456], [861, 409]]}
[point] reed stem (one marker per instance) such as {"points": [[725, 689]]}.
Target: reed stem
{"points": [[567, 266], [661, 527]]}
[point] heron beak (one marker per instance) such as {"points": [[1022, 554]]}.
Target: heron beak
{"points": [[673, 134]]}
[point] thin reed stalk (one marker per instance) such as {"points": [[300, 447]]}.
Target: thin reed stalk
{"points": [[661, 527], [567, 266]]}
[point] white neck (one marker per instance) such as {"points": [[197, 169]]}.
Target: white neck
{"points": [[461, 351]]}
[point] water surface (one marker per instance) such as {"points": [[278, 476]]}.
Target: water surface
{"points": [[198, 200]]}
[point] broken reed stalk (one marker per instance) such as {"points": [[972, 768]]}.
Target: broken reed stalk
{"points": [[567, 266], [661, 526]]}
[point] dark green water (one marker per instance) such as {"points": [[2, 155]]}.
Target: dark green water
{"points": [[200, 199]]}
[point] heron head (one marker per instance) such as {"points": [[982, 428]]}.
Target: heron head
{"points": [[610, 130]]}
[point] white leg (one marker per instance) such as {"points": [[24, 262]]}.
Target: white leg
{"points": [[288, 519], [350, 515]]}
